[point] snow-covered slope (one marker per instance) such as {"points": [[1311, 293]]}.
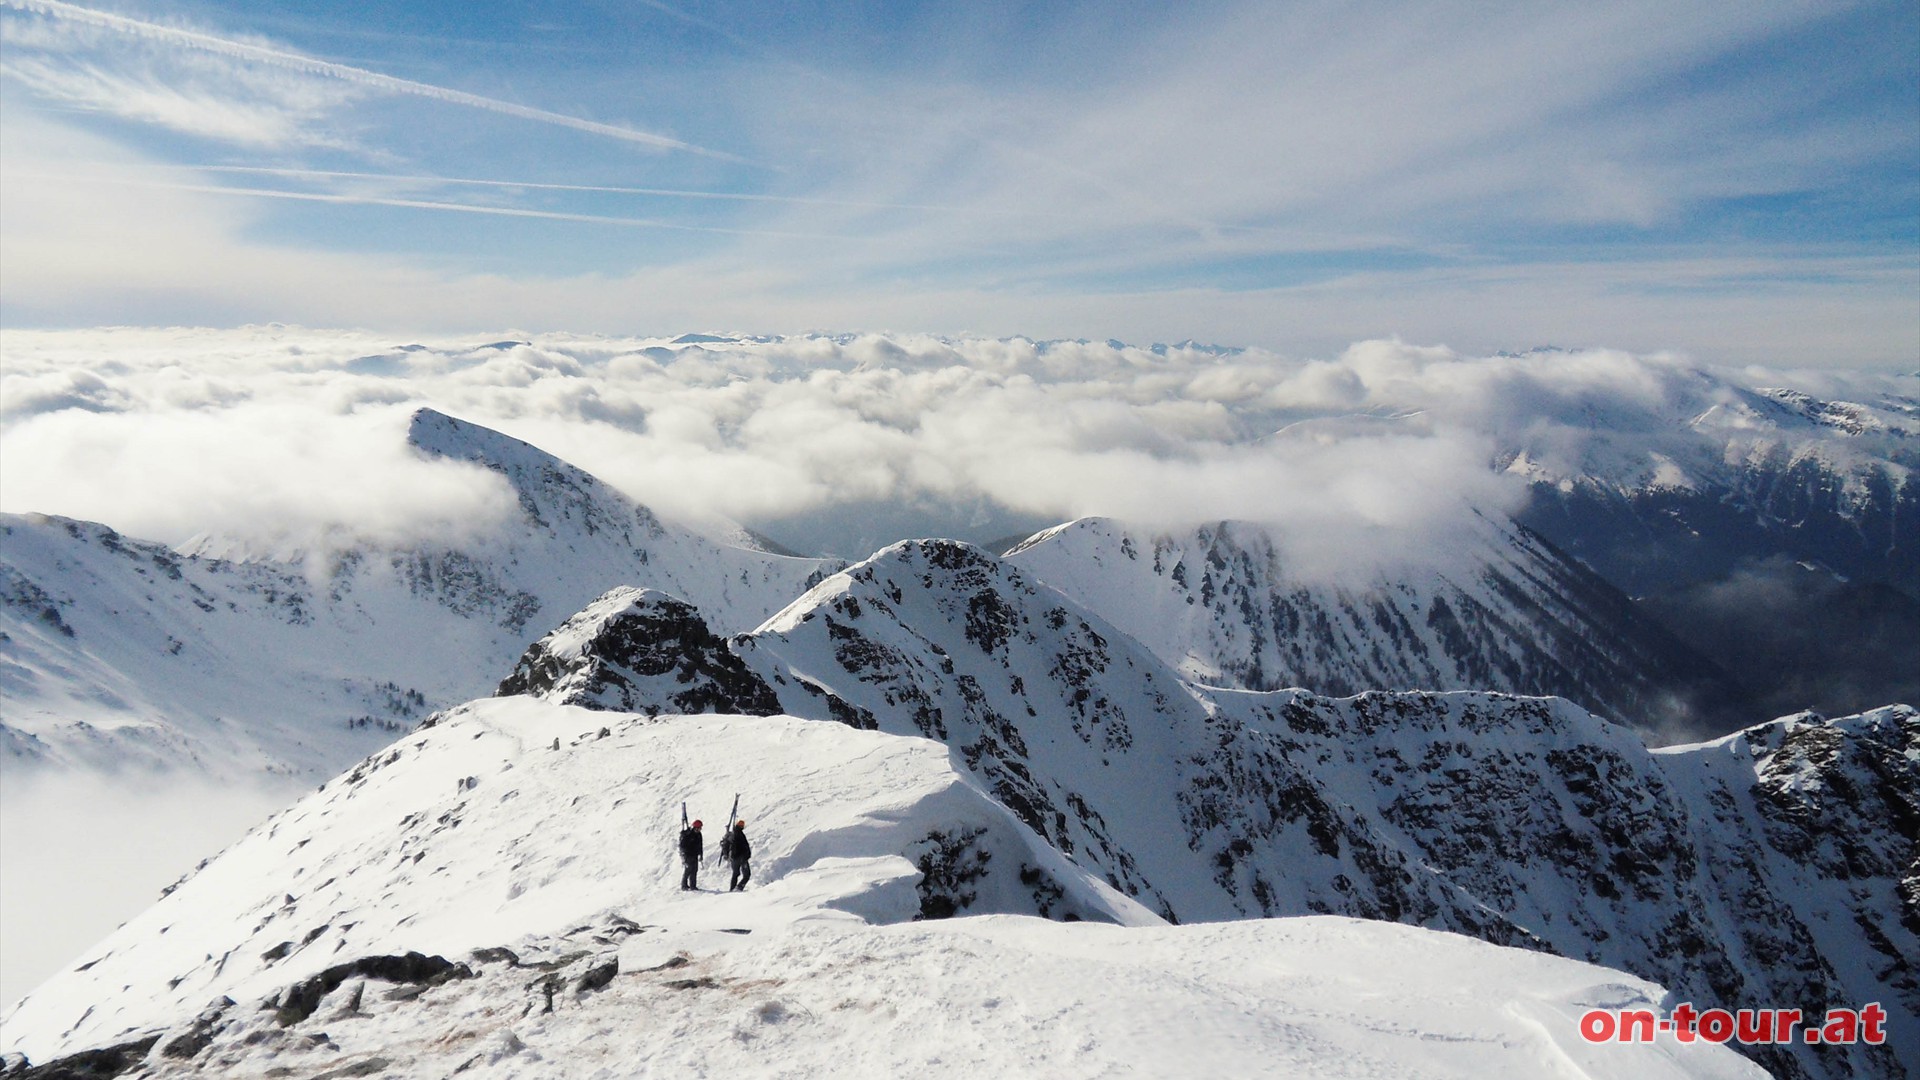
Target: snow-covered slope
{"points": [[1522, 821], [119, 652], [1527, 820], [509, 819], [1082, 732], [486, 901], [1500, 609]]}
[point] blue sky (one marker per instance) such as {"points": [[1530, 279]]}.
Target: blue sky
{"points": [[1736, 181]]}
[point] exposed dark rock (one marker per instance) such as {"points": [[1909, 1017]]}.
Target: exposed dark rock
{"points": [[1526, 618], [950, 865], [300, 1000], [200, 1034], [101, 1064], [638, 650], [364, 1067], [598, 976]]}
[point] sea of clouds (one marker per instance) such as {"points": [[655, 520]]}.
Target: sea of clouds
{"points": [[278, 438]]}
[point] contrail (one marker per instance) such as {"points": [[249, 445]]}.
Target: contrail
{"points": [[534, 185], [240, 50], [426, 204]]}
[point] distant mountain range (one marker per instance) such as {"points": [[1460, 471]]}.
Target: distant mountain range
{"points": [[122, 651]]}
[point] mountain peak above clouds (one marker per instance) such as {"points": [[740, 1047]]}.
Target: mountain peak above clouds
{"points": [[639, 651], [299, 667], [552, 493]]}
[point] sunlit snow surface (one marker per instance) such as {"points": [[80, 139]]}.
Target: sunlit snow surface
{"points": [[477, 833]]}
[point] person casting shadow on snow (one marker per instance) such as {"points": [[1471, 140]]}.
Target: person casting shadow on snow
{"points": [[738, 851], [691, 846]]}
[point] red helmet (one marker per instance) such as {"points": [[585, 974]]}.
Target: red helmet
{"points": [[696, 823], [741, 824]]}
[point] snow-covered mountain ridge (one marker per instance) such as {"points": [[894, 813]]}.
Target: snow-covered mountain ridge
{"points": [[1775, 868], [485, 901], [120, 651], [639, 650], [1774, 865], [1500, 609]]}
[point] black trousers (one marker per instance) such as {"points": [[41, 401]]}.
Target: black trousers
{"points": [[741, 872], [690, 879]]}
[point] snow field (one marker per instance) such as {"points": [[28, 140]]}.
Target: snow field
{"points": [[1001, 996], [477, 833]]}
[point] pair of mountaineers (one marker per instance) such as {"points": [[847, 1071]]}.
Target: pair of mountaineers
{"points": [[734, 848]]}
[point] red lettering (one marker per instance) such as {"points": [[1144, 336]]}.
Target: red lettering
{"points": [[1873, 1017], [1840, 1026], [1683, 1015], [1784, 1021], [1636, 1025]]}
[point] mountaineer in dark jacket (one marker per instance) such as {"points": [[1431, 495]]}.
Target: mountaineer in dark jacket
{"points": [[738, 852], [691, 846]]}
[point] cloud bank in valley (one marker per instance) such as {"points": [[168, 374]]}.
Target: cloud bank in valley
{"points": [[276, 437], [137, 837]]}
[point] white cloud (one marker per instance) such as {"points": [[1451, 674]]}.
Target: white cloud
{"points": [[285, 438], [275, 468], [240, 55], [84, 854], [141, 97], [279, 436]]}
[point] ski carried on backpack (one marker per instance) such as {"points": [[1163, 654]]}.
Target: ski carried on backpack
{"points": [[726, 840]]}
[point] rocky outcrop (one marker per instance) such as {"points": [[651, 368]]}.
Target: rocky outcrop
{"points": [[640, 651]]}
